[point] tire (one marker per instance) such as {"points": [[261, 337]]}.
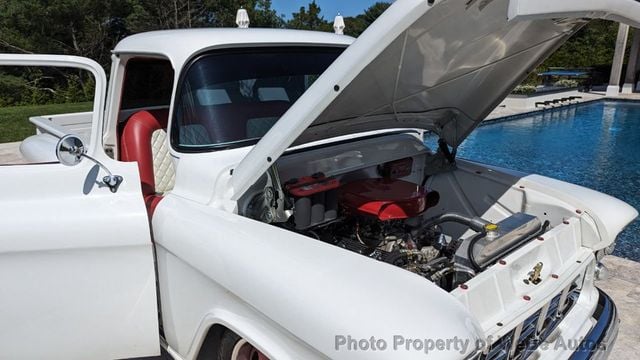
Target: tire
{"points": [[233, 347]]}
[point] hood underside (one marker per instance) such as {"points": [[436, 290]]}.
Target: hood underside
{"points": [[444, 73], [442, 67]]}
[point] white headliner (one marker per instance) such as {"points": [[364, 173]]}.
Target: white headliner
{"points": [[180, 45]]}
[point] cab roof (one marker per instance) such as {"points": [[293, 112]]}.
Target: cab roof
{"points": [[180, 45]]}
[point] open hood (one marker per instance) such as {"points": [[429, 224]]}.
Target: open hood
{"points": [[441, 66]]}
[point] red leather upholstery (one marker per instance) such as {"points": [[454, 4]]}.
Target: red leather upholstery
{"points": [[135, 145]]}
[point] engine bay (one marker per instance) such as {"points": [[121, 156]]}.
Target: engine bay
{"points": [[384, 213]]}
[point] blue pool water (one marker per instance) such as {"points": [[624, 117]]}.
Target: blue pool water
{"points": [[596, 145]]}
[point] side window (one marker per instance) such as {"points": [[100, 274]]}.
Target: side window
{"points": [[147, 84], [62, 97]]}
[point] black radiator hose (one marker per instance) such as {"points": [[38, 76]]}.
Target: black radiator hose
{"points": [[475, 223]]}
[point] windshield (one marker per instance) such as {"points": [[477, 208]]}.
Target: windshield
{"points": [[233, 98]]}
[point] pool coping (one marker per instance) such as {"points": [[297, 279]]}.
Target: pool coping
{"points": [[525, 114]]}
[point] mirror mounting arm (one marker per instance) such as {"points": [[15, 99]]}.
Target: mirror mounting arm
{"points": [[71, 150], [112, 181]]}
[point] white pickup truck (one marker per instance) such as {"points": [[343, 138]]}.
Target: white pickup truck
{"points": [[267, 194]]}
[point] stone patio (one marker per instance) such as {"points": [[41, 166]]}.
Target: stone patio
{"points": [[502, 110], [10, 153], [624, 288]]}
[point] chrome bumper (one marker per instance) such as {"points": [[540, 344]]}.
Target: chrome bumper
{"points": [[599, 342]]}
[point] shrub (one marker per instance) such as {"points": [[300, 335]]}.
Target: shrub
{"points": [[566, 83], [11, 89], [34, 87], [524, 90]]}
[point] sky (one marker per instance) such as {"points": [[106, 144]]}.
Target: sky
{"points": [[330, 8]]}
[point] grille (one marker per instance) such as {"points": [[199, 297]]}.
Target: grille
{"points": [[522, 341]]}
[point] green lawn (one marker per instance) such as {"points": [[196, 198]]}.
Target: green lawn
{"points": [[14, 121]]}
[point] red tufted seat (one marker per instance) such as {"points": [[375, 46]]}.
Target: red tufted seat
{"points": [[144, 140]]}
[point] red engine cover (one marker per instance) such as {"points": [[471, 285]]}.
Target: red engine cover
{"points": [[385, 199]]}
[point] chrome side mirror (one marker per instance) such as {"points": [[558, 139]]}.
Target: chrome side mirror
{"points": [[70, 151]]}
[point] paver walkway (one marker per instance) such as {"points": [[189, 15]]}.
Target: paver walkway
{"points": [[10, 153], [624, 288]]}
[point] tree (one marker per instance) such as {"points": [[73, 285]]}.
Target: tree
{"points": [[309, 19], [147, 15], [262, 15], [594, 44], [87, 28], [176, 14], [357, 25]]}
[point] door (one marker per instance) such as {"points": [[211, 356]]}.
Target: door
{"points": [[77, 278]]}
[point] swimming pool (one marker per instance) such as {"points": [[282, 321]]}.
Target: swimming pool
{"points": [[596, 145]]}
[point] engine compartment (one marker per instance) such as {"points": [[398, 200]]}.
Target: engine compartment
{"points": [[387, 212]]}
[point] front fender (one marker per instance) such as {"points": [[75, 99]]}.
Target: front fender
{"points": [[608, 215], [310, 290]]}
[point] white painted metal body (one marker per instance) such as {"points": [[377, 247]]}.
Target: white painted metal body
{"points": [[286, 293], [75, 123], [40, 148], [77, 267], [198, 247]]}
